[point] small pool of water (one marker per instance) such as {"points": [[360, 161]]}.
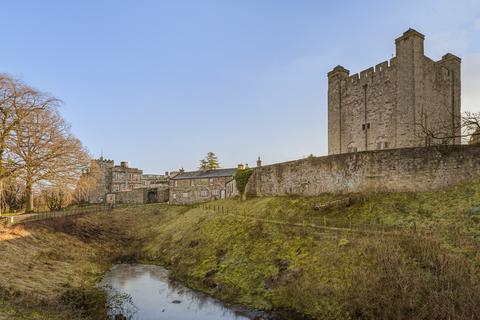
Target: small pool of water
{"points": [[144, 292]]}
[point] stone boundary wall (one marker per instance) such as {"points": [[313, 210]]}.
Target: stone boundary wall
{"points": [[407, 169], [135, 196]]}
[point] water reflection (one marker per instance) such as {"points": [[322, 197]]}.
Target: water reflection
{"points": [[145, 292]]}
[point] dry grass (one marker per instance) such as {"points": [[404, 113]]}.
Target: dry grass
{"points": [[426, 269]]}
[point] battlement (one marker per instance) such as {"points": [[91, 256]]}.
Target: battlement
{"points": [[409, 34], [106, 161], [450, 58], [377, 107], [379, 70]]}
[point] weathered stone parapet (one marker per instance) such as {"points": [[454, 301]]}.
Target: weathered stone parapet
{"points": [[407, 169]]}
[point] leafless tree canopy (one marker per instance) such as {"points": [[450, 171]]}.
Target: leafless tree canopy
{"points": [[45, 152], [471, 126], [36, 145], [17, 102], [86, 184]]}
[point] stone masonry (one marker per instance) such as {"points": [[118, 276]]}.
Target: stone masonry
{"points": [[201, 186], [408, 101], [407, 169], [111, 178]]}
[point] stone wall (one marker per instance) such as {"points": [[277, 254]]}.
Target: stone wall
{"points": [[190, 191], [393, 104], [143, 195], [407, 169], [136, 196]]}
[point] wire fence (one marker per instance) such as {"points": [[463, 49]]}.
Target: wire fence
{"points": [[326, 223], [24, 218]]}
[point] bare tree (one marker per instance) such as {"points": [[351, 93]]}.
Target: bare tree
{"points": [[440, 128], [86, 184], [13, 194], [46, 152], [17, 102], [56, 198], [471, 126]]}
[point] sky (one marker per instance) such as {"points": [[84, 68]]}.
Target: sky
{"points": [[161, 83]]}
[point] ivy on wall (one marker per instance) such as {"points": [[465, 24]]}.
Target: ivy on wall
{"points": [[241, 179]]}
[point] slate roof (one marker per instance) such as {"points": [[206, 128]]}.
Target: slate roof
{"points": [[206, 174]]}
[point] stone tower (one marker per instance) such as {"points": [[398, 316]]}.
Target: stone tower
{"points": [[408, 101], [101, 169]]}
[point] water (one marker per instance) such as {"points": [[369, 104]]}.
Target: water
{"points": [[144, 292]]}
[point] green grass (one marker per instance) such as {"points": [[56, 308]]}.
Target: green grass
{"points": [[424, 266], [398, 256]]}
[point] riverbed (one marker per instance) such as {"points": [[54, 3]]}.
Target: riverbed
{"points": [[145, 292]]}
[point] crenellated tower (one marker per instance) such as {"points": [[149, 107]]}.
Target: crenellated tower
{"points": [[407, 101]]}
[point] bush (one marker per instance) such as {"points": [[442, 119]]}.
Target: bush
{"points": [[241, 179]]}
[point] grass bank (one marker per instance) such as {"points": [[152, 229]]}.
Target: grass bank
{"points": [[377, 256]]}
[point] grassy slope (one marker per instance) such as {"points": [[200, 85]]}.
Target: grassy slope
{"points": [[427, 274], [431, 273]]}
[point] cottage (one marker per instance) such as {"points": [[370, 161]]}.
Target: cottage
{"points": [[203, 185]]}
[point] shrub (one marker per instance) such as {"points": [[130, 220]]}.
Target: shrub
{"points": [[241, 179]]}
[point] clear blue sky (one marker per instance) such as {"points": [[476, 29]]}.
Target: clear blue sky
{"points": [[161, 83]]}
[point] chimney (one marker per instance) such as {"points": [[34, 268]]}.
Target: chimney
{"points": [[259, 162], [124, 164]]}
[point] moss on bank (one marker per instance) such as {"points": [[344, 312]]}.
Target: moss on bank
{"points": [[412, 256]]}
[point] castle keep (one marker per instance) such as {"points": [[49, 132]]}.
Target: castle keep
{"points": [[408, 101]]}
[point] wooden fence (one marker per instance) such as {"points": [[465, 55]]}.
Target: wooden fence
{"points": [[23, 218]]}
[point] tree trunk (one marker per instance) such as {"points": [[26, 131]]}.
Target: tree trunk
{"points": [[2, 199], [28, 196], [2, 148]]}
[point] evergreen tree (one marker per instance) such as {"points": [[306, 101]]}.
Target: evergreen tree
{"points": [[210, 162]]}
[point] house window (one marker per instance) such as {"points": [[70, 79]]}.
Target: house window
{"points": [[216, 192], [174, 196], [211, 180], [176, 184], [185, 195], [204, 193], [192, 183]]}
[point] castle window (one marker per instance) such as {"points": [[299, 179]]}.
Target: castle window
{"points": [[379, 145], [385, 145], [192, 183], [363, 126], [185, 195]]}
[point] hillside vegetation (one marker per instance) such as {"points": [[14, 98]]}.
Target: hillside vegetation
{"points": [[377, 256]]}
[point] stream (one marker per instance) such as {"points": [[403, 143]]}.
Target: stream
{"points": [[144, 292]]}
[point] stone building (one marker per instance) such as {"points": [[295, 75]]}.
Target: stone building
{"points": [[125, 178], [111, 178], [201, 186], [101, 172], [408, 101], [155, 180]]}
